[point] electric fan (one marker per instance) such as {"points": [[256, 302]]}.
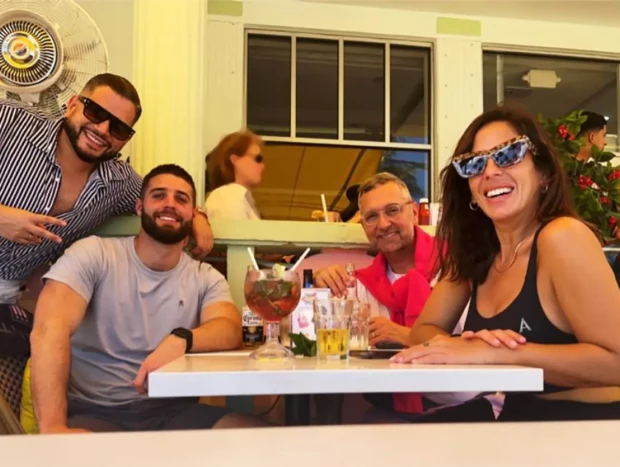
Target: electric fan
{"points": [[49, 49]]}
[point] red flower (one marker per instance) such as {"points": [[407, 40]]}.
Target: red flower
{"points": [[614, 175], [584, 181], [605, 200], [613, 221], [563, 131], [571, 138]]}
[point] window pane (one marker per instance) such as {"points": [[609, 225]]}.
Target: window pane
{"points": [[584, 85], [364, 91], [317, 88], [413, 167], [297, 174], [409, 95], [269, 85]]}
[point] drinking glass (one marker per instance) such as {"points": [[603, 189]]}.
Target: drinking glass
{"points": [[360, 317], [272, 295], [332, 321]]}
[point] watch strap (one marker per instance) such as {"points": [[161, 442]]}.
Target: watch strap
{"points": [[185, 334]]}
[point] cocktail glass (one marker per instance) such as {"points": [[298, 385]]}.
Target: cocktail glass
{"points": [[273, 295]]}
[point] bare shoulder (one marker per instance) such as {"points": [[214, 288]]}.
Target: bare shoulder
{"points": [[567, 229], [566, 237]]}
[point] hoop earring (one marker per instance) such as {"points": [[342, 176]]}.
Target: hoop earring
{"points": [[545, 189], [473, 205]]}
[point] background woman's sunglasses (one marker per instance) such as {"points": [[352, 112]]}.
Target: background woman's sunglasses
{"points": [[97, 114], [506, 154], [258, 158]]}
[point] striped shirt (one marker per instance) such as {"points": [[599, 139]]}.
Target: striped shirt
{"points": [[30, 180]]}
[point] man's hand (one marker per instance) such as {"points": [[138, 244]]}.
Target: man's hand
{"points": [[25, 227], [203, 236], [171, 348], [333, 277], [382, 329]]}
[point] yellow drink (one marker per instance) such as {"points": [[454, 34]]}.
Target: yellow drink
{"points": [[332, 344]]}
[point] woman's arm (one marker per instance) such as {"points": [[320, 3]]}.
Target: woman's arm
{"points": [[589, 297], [442, 311]]}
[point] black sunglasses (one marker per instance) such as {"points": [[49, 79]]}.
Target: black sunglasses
{"points": [[258, 158], [506, 154], [97, 114]]}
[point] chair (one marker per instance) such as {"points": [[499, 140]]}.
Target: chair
{"points": [[11, 377]]}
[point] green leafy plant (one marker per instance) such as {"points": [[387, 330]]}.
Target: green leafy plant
{"points": [[595, 183], [303, 345]]}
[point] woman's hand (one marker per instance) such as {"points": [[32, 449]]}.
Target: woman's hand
{"points": [[448, 350], [497, 337]]}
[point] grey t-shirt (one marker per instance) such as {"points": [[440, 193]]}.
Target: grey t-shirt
{"points": [[131, 310]]}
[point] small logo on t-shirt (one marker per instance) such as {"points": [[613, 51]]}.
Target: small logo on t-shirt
{"points": [[524, 326]]}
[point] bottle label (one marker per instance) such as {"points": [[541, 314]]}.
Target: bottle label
{"points": [[252, 328]]}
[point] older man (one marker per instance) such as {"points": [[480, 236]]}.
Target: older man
{"points": [[396, 285], [398, 282]]}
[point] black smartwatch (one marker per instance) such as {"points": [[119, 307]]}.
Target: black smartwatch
{"points": [[184, 334]]}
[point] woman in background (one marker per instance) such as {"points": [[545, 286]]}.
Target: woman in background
{"points": [[235, 167]]}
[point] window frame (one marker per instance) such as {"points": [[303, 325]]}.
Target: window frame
{"points": [[559, 53], [429, 100]]}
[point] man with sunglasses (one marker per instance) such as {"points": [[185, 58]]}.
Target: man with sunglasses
{"points": [[59, 179]]}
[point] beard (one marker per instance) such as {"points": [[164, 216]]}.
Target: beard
{"points": [[73, 134], [167, 235]]}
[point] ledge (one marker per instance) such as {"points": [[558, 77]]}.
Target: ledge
{"points": [[287, 234]]}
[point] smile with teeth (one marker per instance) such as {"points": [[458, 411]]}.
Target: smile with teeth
{"points": [[167, 218], [498, 192], [94, 138]]}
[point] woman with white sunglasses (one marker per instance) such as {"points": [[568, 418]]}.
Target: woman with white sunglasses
{"points": [[516, 247]]}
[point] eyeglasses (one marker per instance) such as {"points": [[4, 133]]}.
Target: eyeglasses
{"points": [[506, 154], [97, 114], [391, 211]]}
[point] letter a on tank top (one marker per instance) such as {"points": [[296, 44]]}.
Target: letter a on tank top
{"points": [[524, 326]]}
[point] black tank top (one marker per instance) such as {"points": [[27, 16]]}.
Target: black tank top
{"points": [[524, 315]]}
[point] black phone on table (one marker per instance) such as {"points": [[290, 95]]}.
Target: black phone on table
{"points": [[373, 354], [389, 345]]}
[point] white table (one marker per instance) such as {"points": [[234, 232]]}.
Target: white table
{"points": [[566, 444], [234, 374]]}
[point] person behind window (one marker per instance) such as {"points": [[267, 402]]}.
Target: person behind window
{"points": [[594, 131], [508, 234], [235, 167], [352, 212]]}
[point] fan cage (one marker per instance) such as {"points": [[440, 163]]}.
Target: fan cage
{"points": [[29, 53], [80, 48]]}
